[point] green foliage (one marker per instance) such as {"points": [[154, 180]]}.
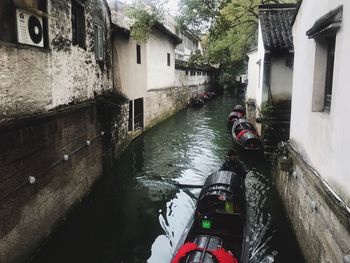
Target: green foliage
{"points": [[109, 106], [198, 15], [143, 17], [266, 114], [197, 59], [230, 28]]}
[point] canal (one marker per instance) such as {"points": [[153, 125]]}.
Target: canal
{"points": [[134, 213]]}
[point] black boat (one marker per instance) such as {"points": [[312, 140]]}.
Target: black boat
{"points": [[245, 135], [240, 109], [216, 230], [234, 115], [237, 113], [197, 102]]}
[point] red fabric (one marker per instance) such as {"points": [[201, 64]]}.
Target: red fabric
{"points": [[240, 134], [221, 254], [183, 251]]}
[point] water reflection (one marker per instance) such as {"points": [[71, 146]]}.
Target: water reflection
{"points": [[135, 214]]}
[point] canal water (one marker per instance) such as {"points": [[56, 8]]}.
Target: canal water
{"points": [[135, 214]]}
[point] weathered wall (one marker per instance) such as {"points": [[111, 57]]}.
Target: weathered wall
{"points": [[281, 79], [320, 221], [130, 77], [182, 80], [322, 137], [159, 74], [38, 79], [162, 103], [29, 212], [36, 147]]}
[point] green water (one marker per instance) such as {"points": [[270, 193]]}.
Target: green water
{"points": [[134, 214]]}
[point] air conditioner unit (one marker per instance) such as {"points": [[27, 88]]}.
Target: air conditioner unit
{"points": [[29, 28]]}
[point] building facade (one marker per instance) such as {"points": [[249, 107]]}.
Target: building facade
{"points": [[59, 65], [275, 53], [270, 74], [315, 187], [149, 73], [55, 68]]}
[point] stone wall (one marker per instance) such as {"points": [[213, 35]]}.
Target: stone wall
{"points": [[320, 219], [35, 79], [162, 103], [35, 148]]}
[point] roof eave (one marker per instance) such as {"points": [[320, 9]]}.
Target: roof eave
{"points": [[167, 32], [296, 12]]}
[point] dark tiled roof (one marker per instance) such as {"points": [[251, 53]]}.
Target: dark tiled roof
{"points": [[167, 32], [124, 31], [276, 27]]}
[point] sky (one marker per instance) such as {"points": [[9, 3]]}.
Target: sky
{"points": [[172, 6]]}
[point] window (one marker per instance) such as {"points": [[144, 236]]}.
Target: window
{"points": [[138, 54], [138, 114], [131, 116], [8, 25], [168, 59], [78, 24], [8, 21], [324, 33], [329, 73], [99, 43]]}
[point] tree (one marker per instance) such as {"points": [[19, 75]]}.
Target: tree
{"points": [[143, 16], [230, 29]]}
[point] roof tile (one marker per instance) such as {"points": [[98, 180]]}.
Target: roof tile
{"points": [[275, 20]]}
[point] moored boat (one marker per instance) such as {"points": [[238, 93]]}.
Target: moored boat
{"points": [[216, 230], [245, 135], [198, 102], [237, 113]]}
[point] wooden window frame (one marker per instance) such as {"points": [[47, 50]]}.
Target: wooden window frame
{"points": [[78, 24], [99, 42], [138, 54]]}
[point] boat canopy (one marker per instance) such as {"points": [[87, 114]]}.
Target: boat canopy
{"points": [[224, 183], [244, 123]]}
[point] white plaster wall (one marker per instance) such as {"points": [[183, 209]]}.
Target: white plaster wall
{"points": [[159, 74], [181, 79], [281, 79], [130, 77], [323, 138], [253, 75], [260, 58]]}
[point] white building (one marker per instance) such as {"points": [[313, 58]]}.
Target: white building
{"points": [[318, 193], [190, 44], [252, 76], [148, 73], [270, 68], [141, 68]]}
